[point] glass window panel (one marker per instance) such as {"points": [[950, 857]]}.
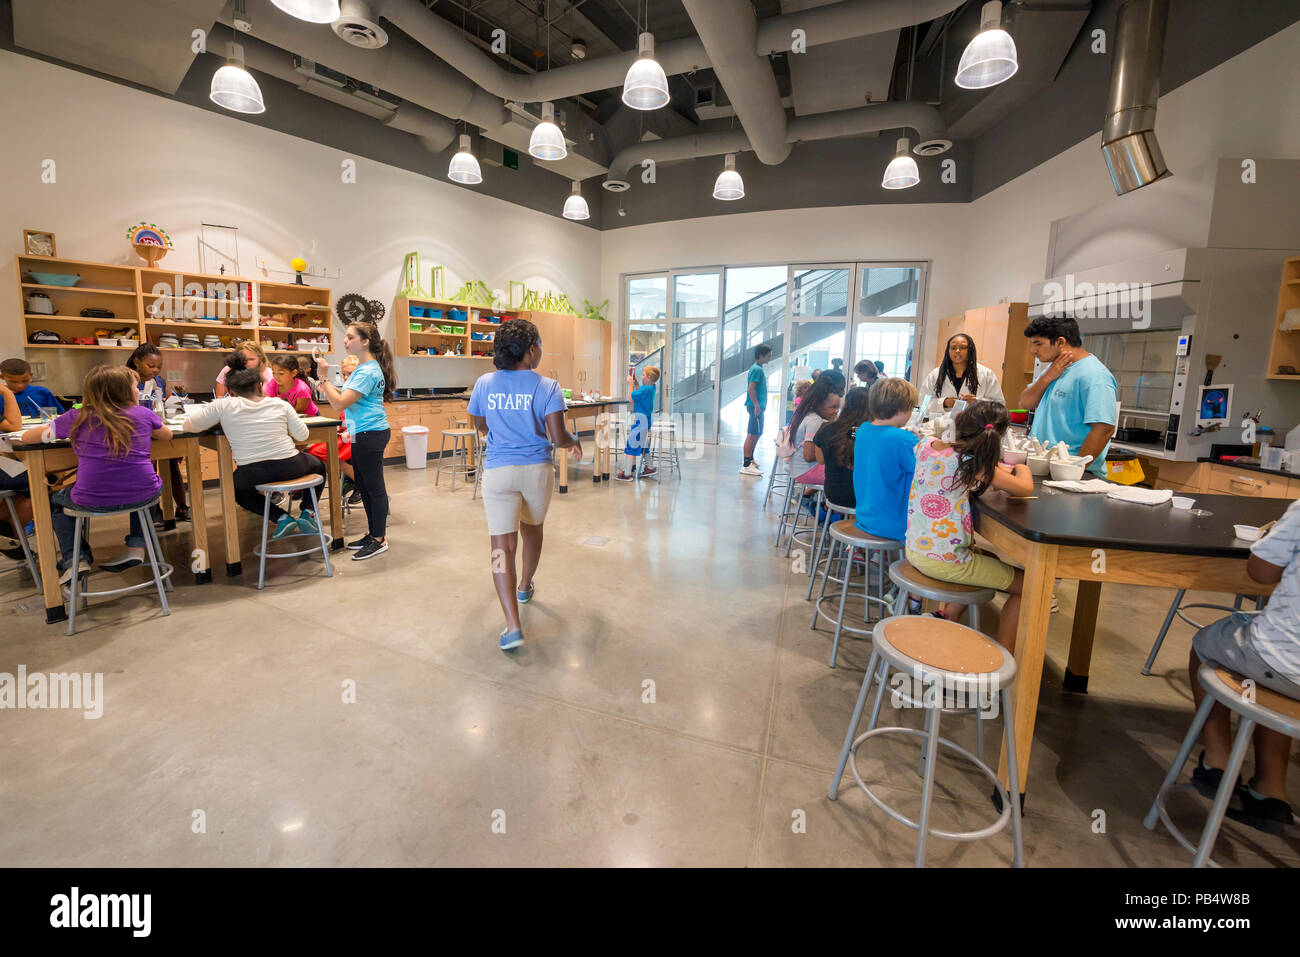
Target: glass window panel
{"points": [[888, 344], [820, 292], [814, 347], [645, 347], [691, 391], [889, 291], [695, 296], [647, 298]]}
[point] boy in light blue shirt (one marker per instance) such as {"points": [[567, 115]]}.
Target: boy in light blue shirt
{"points": [[643, 405], [1076, 400]]}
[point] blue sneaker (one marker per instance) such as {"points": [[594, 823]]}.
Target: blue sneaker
{"points": [[524, 597], [287, 525], [511, 639], [307, 524]]}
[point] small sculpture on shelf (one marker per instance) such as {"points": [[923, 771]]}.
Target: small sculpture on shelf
{"points": [[299, 266], [150, 242]]}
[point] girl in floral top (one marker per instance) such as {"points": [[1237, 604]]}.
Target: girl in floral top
{"points": [[940, 523]]}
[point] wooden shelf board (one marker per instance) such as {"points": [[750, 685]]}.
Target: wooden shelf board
{"points": [[69, 345], [183, 349], [292, 306], [87, 290], [1277, 376], [195, 324], [157, 271], [21, 257], [121, 320]]}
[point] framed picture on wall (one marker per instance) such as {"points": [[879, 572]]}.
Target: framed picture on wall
{"points": [[37, 242], [1214, 405]]}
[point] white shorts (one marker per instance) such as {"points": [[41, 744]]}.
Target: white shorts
{"points": [[517, 493]]}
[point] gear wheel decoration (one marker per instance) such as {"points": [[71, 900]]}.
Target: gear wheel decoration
{"points": [[352, 307], [377, 310]]}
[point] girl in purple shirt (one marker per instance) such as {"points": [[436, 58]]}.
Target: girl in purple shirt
{"points": [[111, 434]]}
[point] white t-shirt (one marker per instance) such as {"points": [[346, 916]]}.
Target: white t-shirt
{"points": [[258, 430], [1276, 633], [806, 432], [989, 387]]}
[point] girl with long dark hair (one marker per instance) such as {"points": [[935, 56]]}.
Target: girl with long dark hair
{"points": [[363, 396], [834, 442]]}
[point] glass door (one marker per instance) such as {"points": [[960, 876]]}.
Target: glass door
{"points": [[888, 301], [647, 331], [817, 333], [693, 360], [755, 314]]}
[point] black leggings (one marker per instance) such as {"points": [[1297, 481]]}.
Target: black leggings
{"points": [[247, 477], [368, 476]]}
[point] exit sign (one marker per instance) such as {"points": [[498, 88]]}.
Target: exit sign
{"points": [[510, 159]]}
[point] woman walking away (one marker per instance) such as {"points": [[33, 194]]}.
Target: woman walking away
{"points": [[363, 396], [522, 415]]}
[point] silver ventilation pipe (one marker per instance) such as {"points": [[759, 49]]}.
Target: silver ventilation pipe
{"points": [[728, 29], [847, 19], [1128, 137], [921, 117]]}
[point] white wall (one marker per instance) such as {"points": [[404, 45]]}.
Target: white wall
{"points": [[124, 156]]}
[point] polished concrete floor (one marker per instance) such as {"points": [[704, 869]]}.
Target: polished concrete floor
{"points": [[670, 707]]}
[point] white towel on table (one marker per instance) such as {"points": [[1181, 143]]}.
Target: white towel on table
{"points": [[1122, 493]]}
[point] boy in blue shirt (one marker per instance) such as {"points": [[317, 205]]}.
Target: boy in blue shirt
{"points": [[755, 406], [17, 374], [643, 405], [1076, 400], [884, 460]]}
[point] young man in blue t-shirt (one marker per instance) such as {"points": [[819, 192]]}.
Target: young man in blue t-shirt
{"points": [[756, 406], [1076, 400], [17, 374], [643, 406]]}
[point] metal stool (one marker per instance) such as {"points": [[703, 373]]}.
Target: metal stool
{"points": [[792, 511], [1178, 608], [464, 454], [20, 532], [779, 477], [799, 531], [912, 583], [288, 486], [1270, 709], [847, 538], [162, 572], [661, 448], [819, 541], [962, 665]]}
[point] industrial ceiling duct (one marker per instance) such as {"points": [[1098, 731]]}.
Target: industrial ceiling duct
{"points": [[357, 25], [1128, 137]]}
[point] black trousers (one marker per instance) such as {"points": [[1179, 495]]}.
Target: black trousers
{"points": [[368, 476], [247, 477]]}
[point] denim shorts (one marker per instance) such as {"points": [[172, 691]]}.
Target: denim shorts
{"points": [[755, 421], [1227, 642]]}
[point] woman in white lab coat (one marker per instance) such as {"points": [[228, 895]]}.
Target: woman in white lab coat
{"points": [[960, 376]]}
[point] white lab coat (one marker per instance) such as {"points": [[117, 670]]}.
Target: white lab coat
{"points": [[989, 387]]}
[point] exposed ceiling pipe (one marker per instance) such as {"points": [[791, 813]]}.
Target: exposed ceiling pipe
{"points": [[433, 131], [728, 29], [401, 67], [449, 43], [921, 117], [849, 18], [1128, 137]]}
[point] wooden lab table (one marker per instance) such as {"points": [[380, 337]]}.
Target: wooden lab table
{"points": [[597, 410], [41, 458], [319, 429], [1093, 539]]}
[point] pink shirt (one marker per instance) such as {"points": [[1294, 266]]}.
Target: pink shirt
{"points": [[298, 390], [266, 375]]}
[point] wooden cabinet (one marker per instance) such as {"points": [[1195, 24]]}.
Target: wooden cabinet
{"points": [[1226, 480], [1284, 349], [1000, 343], [434, 414]]}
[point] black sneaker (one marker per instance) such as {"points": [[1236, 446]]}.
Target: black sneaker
{"points": [[1207, 780], [16, 553], [355, 497], [361, 542], [1270, 815], [371, 549]]}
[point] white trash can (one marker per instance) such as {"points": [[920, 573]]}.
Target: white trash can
{"points": [[416, 440]]}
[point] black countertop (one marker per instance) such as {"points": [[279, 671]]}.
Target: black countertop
{"points": [[431, 398], [1250, 467], [1084, 520]]}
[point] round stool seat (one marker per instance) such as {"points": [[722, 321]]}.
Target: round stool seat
{"points": [[458, 431], [1265, 700], [905, 575], [848, 532], [101, 512], [945, 648], [291, 485]]}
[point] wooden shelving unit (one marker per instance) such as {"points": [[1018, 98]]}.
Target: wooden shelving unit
{"points": [[448, 345], [1285, 347], [148, 302]]}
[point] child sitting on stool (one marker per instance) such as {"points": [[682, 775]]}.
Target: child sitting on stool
{"points": [[643, 404]]}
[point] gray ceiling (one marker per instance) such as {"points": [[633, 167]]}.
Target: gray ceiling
{"points": [[1053, 101]]}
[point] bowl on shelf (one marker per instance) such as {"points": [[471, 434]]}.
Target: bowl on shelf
{"points": [[106, 341], [56, 278]]}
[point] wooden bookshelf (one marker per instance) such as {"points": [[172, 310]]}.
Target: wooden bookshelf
{"points": [[99, 286], [292, 314], [1285, 346], [415, 332]]}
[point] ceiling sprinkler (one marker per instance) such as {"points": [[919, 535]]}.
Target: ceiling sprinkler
{"points": [[578, 49]]}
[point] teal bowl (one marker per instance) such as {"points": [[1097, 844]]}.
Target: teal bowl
{"points": [[56, 278]]}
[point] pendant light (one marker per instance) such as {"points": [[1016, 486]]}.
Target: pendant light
{"points": [[464, 166], [313, 11], [646, 86], [233, 87], [990, 58], [729, 185], [901, 171], [575, 207], [547, 142]]}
